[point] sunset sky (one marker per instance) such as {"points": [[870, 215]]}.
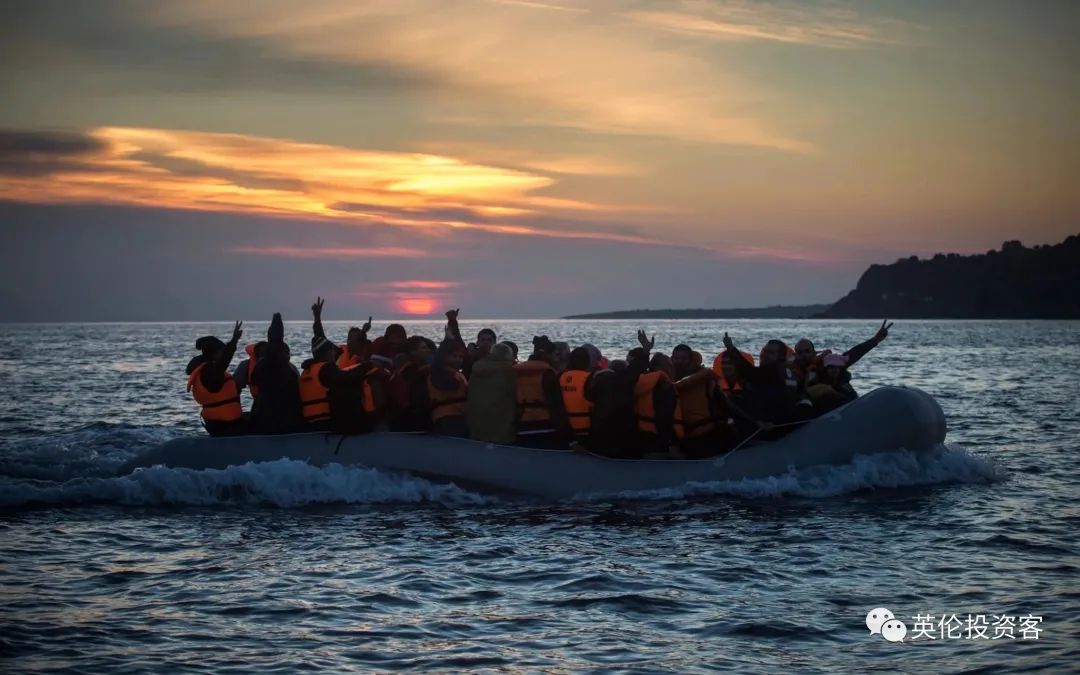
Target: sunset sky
{"points": [[204, 160]]}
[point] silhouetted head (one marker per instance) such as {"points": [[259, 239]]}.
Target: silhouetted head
{"points": [[355, 341], [661, 363], [638, 357], [395, 334], [835, 369], [211, 347], [542, 343], [455, 358], [804, 352], [579, 359], [682, 361], [774, 353], [501, 352], [727, 367], [420, 349], [513, 347], [485, 340]]}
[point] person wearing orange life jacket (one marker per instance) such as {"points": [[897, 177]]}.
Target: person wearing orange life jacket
{"points": [[242, 373], [377, 374], [541, 419], [728, 374], [356, 349], [654, 402], [575, 385], [662, 362], [448, 390], [332, 398], [707, 420], [213, 387]]}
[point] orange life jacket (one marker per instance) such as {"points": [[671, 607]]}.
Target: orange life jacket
{"points": [[372, 403], [644, 409], [694, 414], [808, 374], [578, 408], [531, 402], [718, 368], [449, 403], [314, 401], [222, 405], [250, 349], [347, 359]]}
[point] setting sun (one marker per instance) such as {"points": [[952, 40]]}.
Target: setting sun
{"points": [[416, 306]]}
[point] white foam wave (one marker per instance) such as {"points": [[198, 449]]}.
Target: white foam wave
{"points": [[284, 483], [870, 471]]}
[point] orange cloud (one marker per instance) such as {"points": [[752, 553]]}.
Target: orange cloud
{"points": [[167, 168], [819, 27], [422, 284], [340, 253]]}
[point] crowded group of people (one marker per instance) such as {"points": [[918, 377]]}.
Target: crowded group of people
{"points": [[646, 405]]}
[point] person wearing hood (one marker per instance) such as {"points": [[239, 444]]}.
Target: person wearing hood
{"points": [[213, 387], [492, 397], [277, 408]]}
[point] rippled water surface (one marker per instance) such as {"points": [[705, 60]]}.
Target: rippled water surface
{"points": [[282, 567]]}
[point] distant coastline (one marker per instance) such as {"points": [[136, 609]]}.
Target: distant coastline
{"points": [[1041, 282], [772, 312], [1016, 282]]}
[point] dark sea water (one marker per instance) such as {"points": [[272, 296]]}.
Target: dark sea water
{"points": [[283, 567]]}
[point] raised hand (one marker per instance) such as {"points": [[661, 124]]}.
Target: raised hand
{"points": [[316, 308], [451, 314], [728, 342], [883, 332], [644, 340], [237, 331], [366, 327]]}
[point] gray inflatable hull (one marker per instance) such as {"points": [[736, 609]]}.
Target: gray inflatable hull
{"points": [[884, 420]]}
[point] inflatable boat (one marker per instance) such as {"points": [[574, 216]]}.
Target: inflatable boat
{"points": [[886, 419]]}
